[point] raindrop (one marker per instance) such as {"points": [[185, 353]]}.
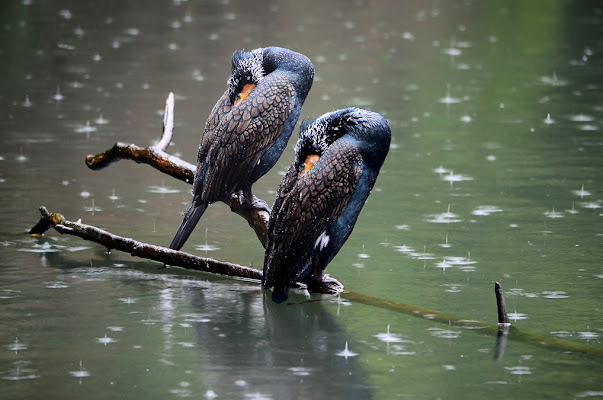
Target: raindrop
{"points": [[422, 256], [452, 177], [115, 328], [404, 249], [65, 14], [588, 127], [444, 333], [16, 346], [388, 337], [572, 210], [441, 170], [555, 294], [548, 120], [85, 128], [197, 75], [346, 352], [515, 316], [162, 190], [81, 373], [133, 31], [444, 265], [26, 102], [408, 36], [581, 192], [553, 214], [206, 247], [101, 121], [519, 370], [56, 285], [588, 335], [445, 245], [593, 205], [301, 370], [105, 340], [581, 118], [552, 80], [20, 373], [58, 96], [444, 218], [92, 208], [447, 99], [452, 52]]}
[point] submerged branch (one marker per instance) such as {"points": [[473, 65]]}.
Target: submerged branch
{"points": [[156, 156], [511, 332]]}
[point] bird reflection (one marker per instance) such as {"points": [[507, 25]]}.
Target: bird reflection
{"points": [[337, 159], [247, 129], [274, 351]]}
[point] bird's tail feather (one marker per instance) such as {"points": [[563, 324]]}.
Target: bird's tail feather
{"points": [[280, 294], [191, 217]]}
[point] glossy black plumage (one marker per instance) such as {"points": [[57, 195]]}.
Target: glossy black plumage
{"points": [[242, 142], [314, 214]]}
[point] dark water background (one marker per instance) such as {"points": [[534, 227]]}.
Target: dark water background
{"points": [[495, 174]]}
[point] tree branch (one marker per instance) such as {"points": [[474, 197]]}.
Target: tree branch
{"points": [[140, 249]]}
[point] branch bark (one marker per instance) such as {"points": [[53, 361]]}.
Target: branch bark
{"points": [[139, 249]]}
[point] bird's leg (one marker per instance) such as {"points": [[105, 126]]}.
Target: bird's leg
{"points": [[246, 198], [324, 283]]}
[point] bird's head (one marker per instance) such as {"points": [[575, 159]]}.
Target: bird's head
{"points": [[246, 73], [316, 135], [369, 129]]}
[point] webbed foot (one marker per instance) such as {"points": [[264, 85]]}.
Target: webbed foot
{"points": [[248, 199], [329, 285]]}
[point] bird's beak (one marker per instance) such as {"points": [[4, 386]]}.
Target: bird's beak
{"points": [[310, 161], [248, 88]]}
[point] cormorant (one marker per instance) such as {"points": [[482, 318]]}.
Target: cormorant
{"points": [[248, 128], [337, 159]]}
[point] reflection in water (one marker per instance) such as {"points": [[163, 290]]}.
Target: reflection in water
{"points": [[298, 339]]}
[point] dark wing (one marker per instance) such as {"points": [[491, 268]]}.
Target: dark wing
{"points": [[231, 150], [304, 211]]}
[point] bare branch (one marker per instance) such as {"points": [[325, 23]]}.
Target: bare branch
{"points": [[503, 318], [140, 249], [168, 123]]}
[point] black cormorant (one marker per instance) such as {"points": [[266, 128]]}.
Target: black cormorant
{"points": [[248, 128], [337, 159]]}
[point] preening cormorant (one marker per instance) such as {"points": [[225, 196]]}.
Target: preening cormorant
{"points": [[337, 159], [248, 128]]}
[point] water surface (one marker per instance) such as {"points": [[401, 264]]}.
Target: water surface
{"points": [[494, 174]]}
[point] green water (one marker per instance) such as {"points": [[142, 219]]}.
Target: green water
{"points": [[495, 174]]}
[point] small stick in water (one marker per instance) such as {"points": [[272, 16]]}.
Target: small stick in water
{"points": [[503, 318]]}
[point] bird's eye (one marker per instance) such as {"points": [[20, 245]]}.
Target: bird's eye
{"points": [[239, 97], [302, 167]]}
